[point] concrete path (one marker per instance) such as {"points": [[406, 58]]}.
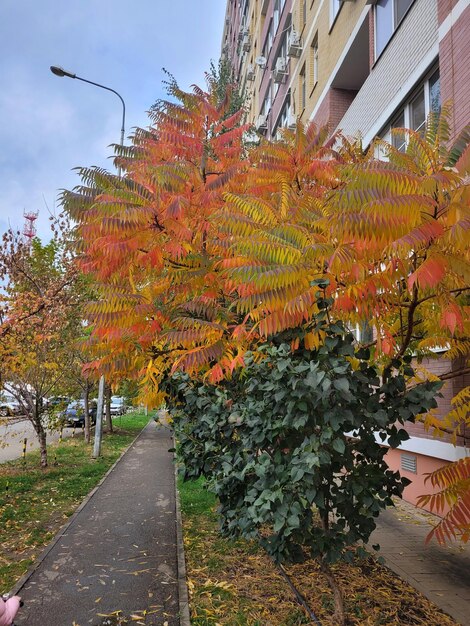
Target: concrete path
{"points": [[441, 573], [117, 559]]}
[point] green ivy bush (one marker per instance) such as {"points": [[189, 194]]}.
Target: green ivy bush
{"points": [[292, 444]]}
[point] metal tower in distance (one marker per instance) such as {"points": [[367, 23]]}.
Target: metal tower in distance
{"points": [[29, 228]]}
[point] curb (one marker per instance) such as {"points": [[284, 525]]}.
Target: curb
{"points": [[26, 576], [183, 594]]}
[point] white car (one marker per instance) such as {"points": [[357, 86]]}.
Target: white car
{"points": [[8, 405], [117, 406]]}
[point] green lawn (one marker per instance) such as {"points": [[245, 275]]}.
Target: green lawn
{"points": [[35, 503]]}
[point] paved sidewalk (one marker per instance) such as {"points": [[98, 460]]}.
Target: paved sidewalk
{"points": [[118, 553], [441, 573], [118, 558]]}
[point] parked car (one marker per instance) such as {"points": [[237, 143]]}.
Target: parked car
{"points": [[117, 405], [74, 414], [56, 401], [8, 405]]}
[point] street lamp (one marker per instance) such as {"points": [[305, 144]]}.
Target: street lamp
{"points": [[59, 71]]}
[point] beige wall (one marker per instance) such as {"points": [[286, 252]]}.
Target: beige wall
{"points": [[332, 40]]}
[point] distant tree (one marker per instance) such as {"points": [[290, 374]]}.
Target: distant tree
{"points": [[39, 316], [222, 82]]}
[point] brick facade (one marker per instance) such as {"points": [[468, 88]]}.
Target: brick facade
{"points": [[454, 63], [444, 7], [334, 106]]}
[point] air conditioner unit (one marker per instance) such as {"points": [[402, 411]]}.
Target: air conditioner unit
{"points": [[246, 43], [294, 48], [280, 70], [291, 121], [250, 73], [261, 122]]}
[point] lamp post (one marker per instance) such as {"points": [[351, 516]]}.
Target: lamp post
{"points": [[59, 71]]}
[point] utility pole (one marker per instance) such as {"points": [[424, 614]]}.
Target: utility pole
{"points": [[99, 420]]}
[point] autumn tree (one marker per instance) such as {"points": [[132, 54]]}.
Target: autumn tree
{"points": [[150, 243], [39, 316], [203, 249], [391, 236], [221, 81]]}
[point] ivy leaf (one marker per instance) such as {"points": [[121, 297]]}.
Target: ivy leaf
{"points": [[341, 384], [339, 445]]}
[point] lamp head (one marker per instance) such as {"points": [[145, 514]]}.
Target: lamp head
{"points": [[59, 71]]}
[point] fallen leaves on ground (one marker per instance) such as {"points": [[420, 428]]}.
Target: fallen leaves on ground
{"points": [[233, 583]]}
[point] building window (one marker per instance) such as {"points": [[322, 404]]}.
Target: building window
{"points": [[303, 88], [270, 35], [413, 113], [388, 15], [274, 89], [276, 13], [285, 114], [282, 49], [314, 63], [398, 140], [435, 93], [335, 6], [418, 112], [266, 108], [284, 119]]}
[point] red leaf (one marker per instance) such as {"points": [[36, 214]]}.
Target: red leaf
{"points": [[452, 318], [344, 303], [216, 374], [429, 273]]}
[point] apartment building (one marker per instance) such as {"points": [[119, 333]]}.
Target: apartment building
{"points": [[363, 66]]}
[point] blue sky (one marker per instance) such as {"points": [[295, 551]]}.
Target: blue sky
{"points": [[49, 125]]}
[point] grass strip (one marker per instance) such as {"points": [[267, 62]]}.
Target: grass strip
{"points": [[35, 502], [234, 583]]}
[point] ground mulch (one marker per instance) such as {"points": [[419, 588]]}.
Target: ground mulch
{"points": [[233, 583]]}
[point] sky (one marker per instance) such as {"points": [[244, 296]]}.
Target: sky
{"points": [[49, 125]]}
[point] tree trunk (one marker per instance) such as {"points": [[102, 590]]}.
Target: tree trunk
{"points": [[43, 447], [109, 423], [87, 412], [42, 436], [338, 617]]}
